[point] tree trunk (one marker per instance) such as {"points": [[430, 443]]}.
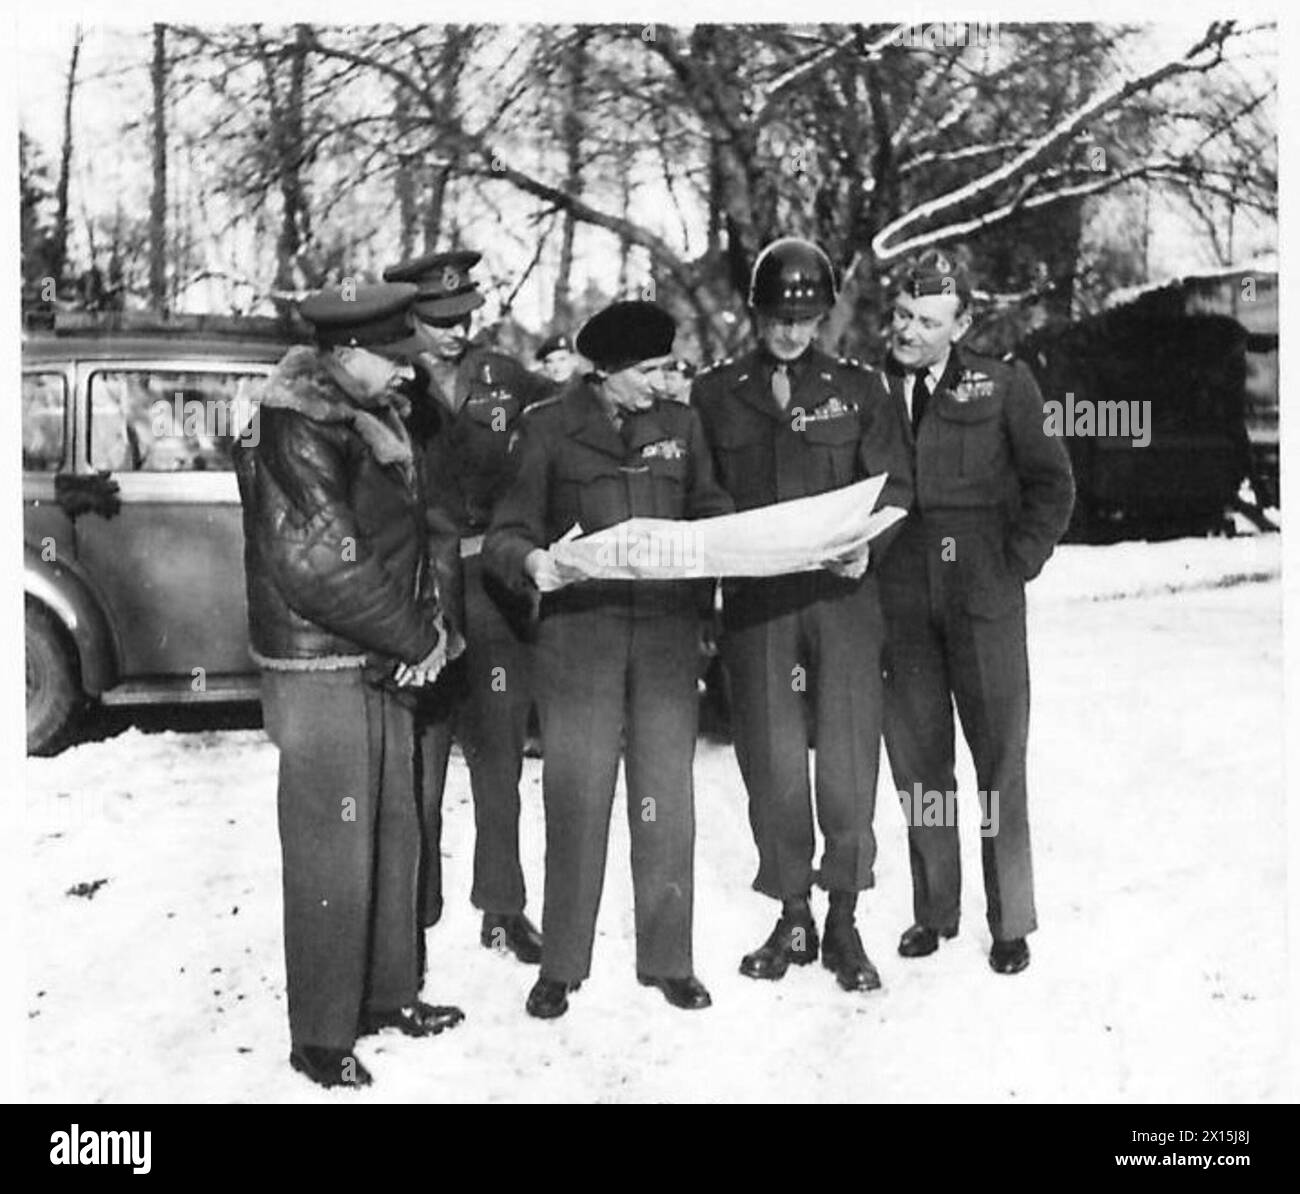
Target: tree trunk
{"points": [[158, 203], [433, 210], [407, 175], [59, 255], [573, 128], [624, 242], [294, 226], [446, 84]]}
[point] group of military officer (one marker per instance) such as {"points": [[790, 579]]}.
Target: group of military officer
{"points": [[398, 511]]}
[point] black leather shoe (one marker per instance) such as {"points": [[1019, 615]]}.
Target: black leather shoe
{"points": [[512, 931], [1009, 957], [844, 956], [329, 1067], [792, 941], [687, 993], [920, 941], [549, 998], [416, 1019]]}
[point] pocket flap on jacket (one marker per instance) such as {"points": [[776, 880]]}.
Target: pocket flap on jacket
{"points": [[977, 410], [841, 429]]}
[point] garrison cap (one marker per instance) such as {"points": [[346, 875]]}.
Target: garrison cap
{"points": [[446, 292], [936, 271], [374, 317], [561, 342], [625, 333]]}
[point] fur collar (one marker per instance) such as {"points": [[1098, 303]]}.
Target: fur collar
{"points": [[303, 382]]}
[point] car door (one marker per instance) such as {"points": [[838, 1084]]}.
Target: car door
{"points": [[46, 526], [170, 563]]}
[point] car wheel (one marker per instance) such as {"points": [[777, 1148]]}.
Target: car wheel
{"points": [[53, 691]]}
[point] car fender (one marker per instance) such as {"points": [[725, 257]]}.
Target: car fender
{"points": [[70, 599]]}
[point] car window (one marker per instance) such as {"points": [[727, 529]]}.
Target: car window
{"points": [[166, 421], [44, 399]]}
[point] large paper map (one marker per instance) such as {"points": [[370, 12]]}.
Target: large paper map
{"points": [[795, 536]]}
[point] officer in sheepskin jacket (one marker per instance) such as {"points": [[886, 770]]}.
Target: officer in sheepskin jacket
{"points": [[344, 621]]}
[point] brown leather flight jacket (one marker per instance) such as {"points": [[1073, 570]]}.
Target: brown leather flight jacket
{"points": [[335, 547]]}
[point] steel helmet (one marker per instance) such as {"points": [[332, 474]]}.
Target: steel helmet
{"points": [[792, 279]]}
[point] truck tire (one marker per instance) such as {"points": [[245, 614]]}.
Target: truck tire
{"points": [[54, 695]]}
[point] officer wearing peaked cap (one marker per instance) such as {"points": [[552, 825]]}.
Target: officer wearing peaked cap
{"points": [[376, 317], [470, 401], [344, 623], [787, 421], [993, 497], [616, 659]]}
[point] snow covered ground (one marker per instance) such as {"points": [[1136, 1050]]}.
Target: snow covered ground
{"points": [[1159, 973]]}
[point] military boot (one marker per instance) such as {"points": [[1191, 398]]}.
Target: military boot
{"points": [[794, 940], [844, 956]]}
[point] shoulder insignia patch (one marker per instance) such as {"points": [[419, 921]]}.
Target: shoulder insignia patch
{"points": [[542, 404]]}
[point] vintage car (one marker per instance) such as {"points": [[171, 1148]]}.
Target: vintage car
{"points": [[133, 544]]}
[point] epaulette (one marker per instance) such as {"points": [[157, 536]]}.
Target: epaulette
{"points": [[540, 404], [854, 363], [722, 364]]}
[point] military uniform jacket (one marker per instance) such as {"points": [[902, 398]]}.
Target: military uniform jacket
{"points": [[982, 448], [467, 459], [575, 466], [839, 427], [465, 462]]}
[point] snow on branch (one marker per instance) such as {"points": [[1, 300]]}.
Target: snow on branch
{"points": [[966, 228], [966, 152], [892, 240], [781, 86]]}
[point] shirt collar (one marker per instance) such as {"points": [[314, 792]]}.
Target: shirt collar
{"points": [[936, 371], [771, 362]]}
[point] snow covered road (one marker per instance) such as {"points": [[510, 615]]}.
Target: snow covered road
{"points": [[1159, 973]]}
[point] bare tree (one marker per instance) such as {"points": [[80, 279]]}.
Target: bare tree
{"points": [[158, 200], [59, 253], [575, 57], [842, 133]]}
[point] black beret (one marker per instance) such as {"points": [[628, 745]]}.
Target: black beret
{"points": [[553, 344], [446, 291], [364, 316], [625, 333]]}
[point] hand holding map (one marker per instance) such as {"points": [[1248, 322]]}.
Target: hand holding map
{"points": [[830, 529]]}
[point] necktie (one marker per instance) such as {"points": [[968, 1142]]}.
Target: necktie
{"points": [[920, 397], [781, 385]]}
